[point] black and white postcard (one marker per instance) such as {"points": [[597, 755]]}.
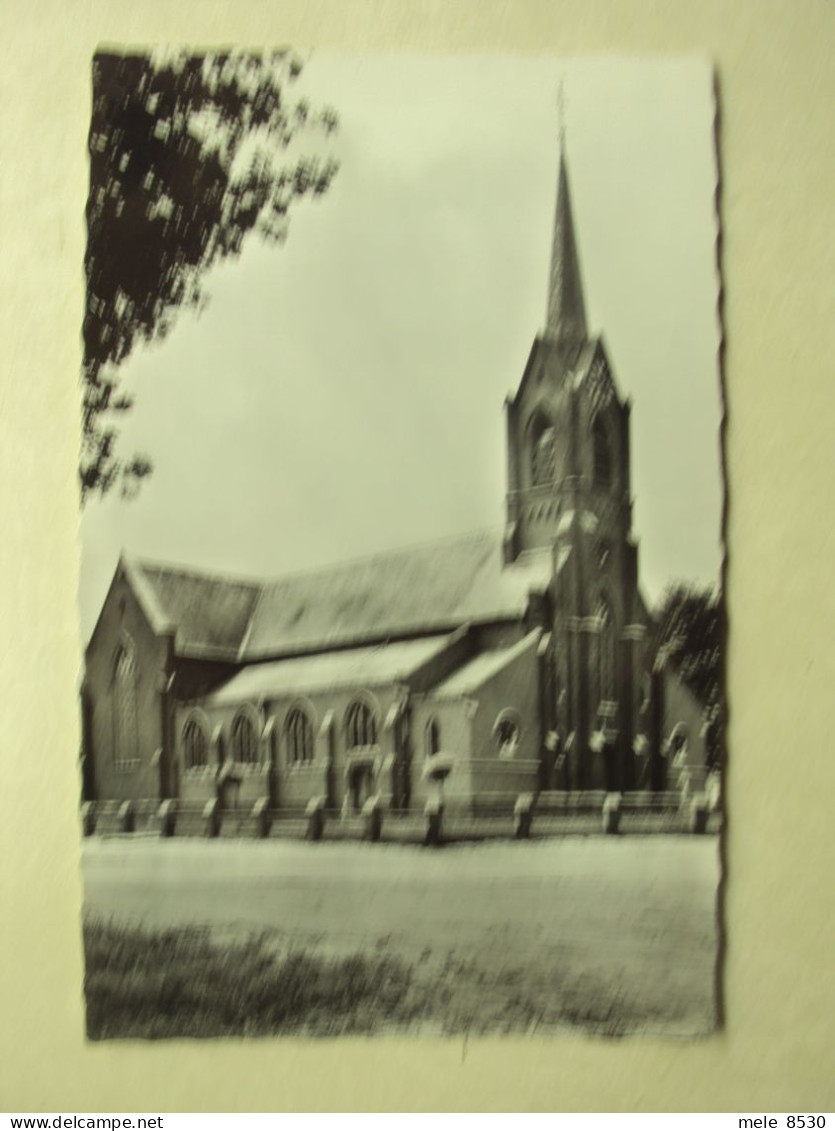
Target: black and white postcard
{"points": [[401, 582]]}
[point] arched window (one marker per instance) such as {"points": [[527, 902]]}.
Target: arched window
{"points": [[125, 731], [299, 734], [506, 731], [602, 454], [433, 737], [678, 744], [606, 654], [360, 725], [244, 740], [543, 451], [195, 745]]}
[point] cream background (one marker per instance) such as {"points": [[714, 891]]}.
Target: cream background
{"points": [[777, 94]]}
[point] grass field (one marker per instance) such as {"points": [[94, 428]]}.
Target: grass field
{"points": [[616, 935], [180, 983]]}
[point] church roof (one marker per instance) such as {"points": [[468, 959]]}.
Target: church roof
{"points": [[351, 667], [472, 675], [434, 587], [206, 611]]}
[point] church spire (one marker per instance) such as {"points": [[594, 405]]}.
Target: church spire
{"points": [[566, 307]]}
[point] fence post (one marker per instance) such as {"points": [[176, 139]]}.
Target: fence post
{"points": [[167, 818], [261, 817], [523, 816], [372, 818], [699, 807], [315, 814], [127, 817], [88, 818], [434, 813], [611, 813], [212, 817]]}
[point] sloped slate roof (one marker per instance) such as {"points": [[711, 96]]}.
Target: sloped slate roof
{"points": [[477, 671], [351, 667], [207, 612], [438, 585]]}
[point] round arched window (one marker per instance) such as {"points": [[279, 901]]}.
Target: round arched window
{"points": [[195, 745], [507, 734], [244, 740]]}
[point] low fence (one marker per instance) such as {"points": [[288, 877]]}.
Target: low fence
{"points": [[593, 800], [525, 816]]}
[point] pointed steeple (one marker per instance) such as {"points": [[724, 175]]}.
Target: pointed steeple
{"points": [[566, 307]]}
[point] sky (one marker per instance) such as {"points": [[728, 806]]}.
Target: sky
{"points": [[343, 393]]}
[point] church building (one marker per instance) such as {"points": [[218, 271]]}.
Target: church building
{"points": [[519, 656]]}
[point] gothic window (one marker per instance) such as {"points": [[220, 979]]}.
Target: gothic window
{"points": [[244, 740], [602, 454], [195, 745], [543, 451], [299, 737], [433, 737], [125, 731], [360, 725]]}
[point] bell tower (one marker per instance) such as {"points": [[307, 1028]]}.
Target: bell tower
{"points": [[569, 493], [567, 429]]}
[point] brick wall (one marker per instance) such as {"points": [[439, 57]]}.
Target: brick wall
{"points": [[294, 784], [123, 624]]}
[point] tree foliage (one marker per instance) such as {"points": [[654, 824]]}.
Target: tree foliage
{"points": [[188, 154], [690, 626]]}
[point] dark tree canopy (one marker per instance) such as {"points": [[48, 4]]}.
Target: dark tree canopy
{"points": [[690, 634], [188, 154]]}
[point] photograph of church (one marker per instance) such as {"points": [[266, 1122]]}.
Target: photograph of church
{"points": [[519, 653], [299, 625]]}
